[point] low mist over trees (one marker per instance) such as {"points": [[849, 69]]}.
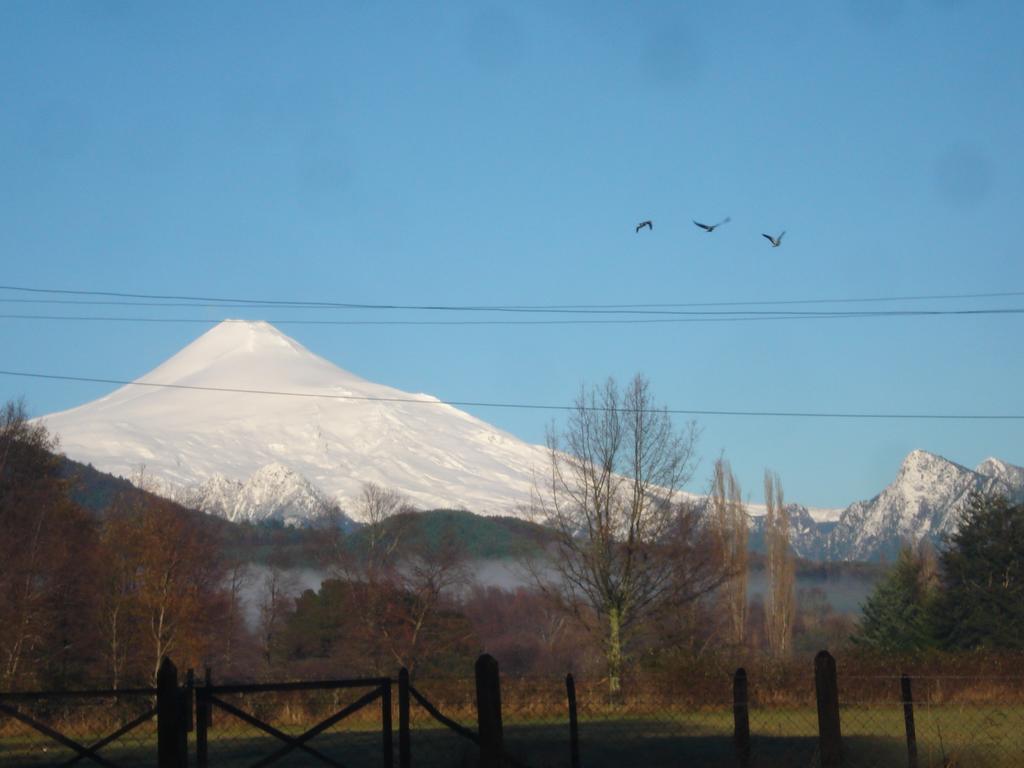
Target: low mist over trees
{"points": [[629, 579]]}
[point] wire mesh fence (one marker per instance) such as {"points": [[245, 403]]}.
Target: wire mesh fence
{"points": [[967, 724], [923, 722], [433, 743], [942, 721], [653, 726], [42, 729], [783, 724]]}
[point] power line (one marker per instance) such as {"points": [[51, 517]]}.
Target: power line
{"points": [[306, 321], [525, 406], [653, 308], [673, 318]]}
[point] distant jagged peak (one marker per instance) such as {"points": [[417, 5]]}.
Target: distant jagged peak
{"points": [[923, 463], [276, 472], [993, 467]]}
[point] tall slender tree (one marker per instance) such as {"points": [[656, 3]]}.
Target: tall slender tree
{"points": [[780, 607], [731, 523]]}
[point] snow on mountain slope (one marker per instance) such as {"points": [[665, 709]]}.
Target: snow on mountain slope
{"points": [[815, 514], [1011, 476], [248, 455], [238, 453], [272, 491], [925, 500]]}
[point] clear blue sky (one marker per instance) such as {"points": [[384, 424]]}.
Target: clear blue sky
{"points": [[502, 154]]}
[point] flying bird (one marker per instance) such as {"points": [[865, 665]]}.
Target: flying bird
{"points": [[649, 224], [712, 227], [775, 241]]}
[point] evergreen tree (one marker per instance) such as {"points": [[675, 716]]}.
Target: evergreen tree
{"points": [[982, 598], [895, 616]]}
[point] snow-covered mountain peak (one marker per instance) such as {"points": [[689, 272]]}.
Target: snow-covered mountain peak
{"points": [[248, 353], [918, 461], [925, 500], [251, 410], [924, 475], [1012, 475]]}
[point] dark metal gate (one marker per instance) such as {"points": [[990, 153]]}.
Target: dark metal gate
{"points": [[210, 697]]}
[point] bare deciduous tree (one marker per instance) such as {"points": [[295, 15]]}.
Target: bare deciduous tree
{"points": [[238, 578], [615, 472], [116, 598], [275, 603], [780, 607], [730, 519], [376, 509]]}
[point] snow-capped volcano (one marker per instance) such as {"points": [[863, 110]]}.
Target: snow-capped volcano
{"points": [[241, 452], [247, 423]]}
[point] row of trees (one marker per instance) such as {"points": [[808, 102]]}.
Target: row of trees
{"points": [[968, 596], [635, 571], [100, 598]]}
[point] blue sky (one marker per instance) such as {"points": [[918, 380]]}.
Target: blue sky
{"points": [[502, 154]]}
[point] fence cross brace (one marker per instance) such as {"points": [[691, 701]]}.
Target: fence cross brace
{"points": [[434, 712], [93, 748], [355, 706], [60, 738], [299, 742], [266, 728]]}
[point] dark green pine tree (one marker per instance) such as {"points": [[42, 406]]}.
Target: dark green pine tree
{"points": [[896, 616], [981, 604]]}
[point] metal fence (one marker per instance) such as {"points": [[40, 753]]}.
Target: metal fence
{"points": [[331, 722], [821, 721], [65, 727]]}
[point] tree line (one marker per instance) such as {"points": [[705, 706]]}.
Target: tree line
{"points": [[634, 576]]}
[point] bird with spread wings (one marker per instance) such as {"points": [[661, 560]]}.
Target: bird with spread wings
{"points": [[712, 227]]}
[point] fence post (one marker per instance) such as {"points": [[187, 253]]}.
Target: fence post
{"points": [[203, 721], [908, 720], [188, 710], [387, 737], [404, 754], [574, 726], [826, 687], [169, 726], [741, 718], [488, 708]]}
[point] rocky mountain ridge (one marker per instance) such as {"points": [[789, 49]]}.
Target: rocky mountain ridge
{"points": [[925, 501]]}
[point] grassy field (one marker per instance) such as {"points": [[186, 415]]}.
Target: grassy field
{"points": [[979, 736]]}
